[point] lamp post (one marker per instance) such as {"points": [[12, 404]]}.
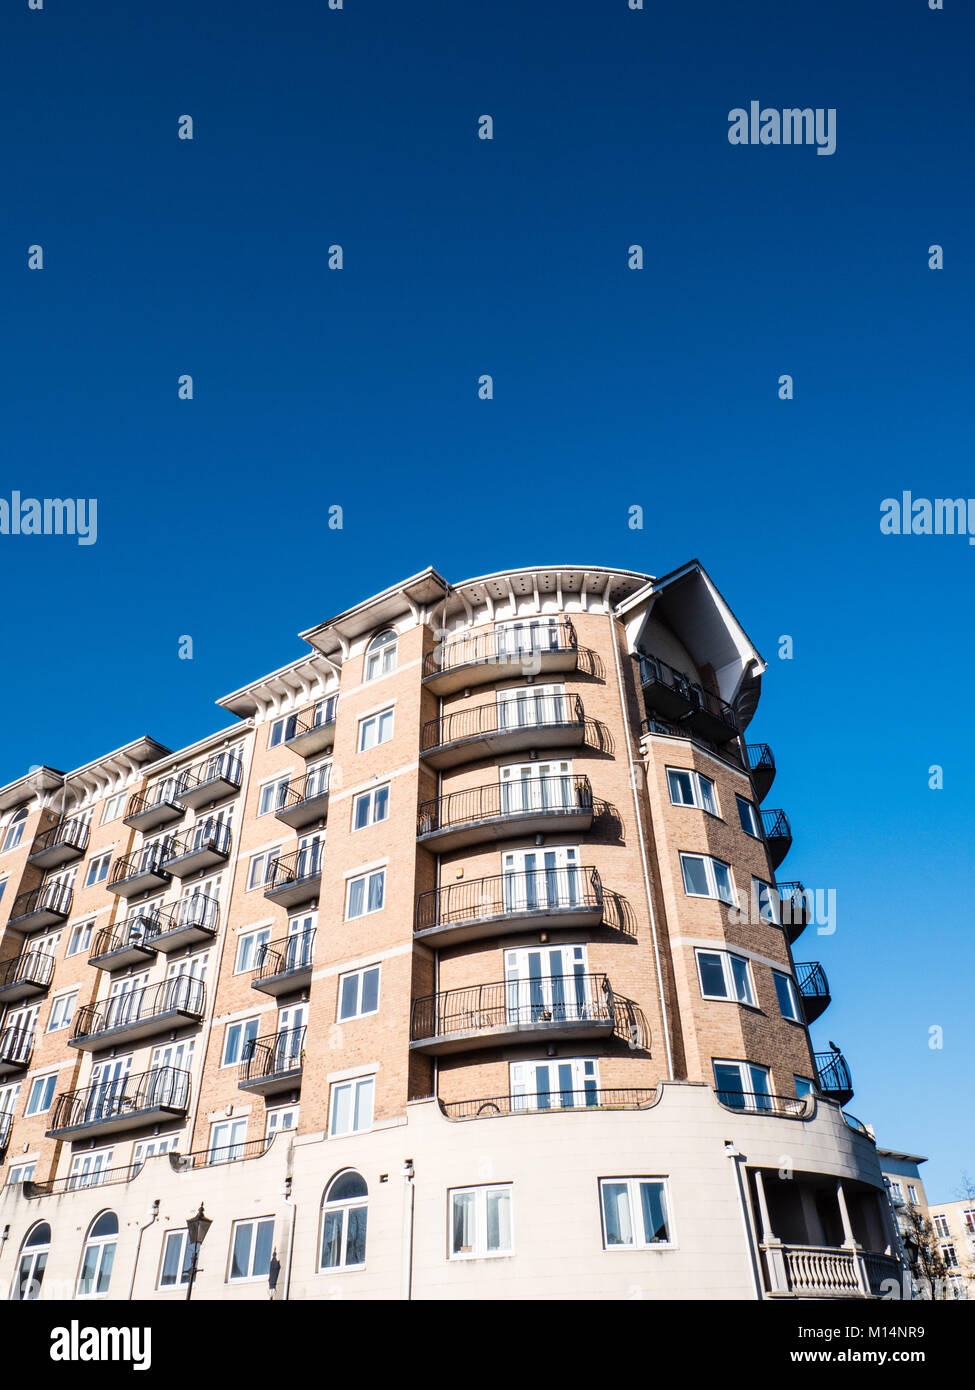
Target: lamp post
{"points": [[196, 1233]]}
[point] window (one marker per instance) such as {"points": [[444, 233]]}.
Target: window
{"points": [[912, 1194], [41, 1094], [62, 1010], [742, 1086], [788, 998], [235, 1039], [8, 1098], [33, 1260], [283, 1118], [941, 1226], [480, 1222], [767, 901], [635, 1213], [378, 728], [98, 870], [250, 1249], [560, 1085], [176, 1259], [273, 796], [724, 976], [344, 1211], [381, 655], [359, 993], [365, 893], [257, 874], [3, 884], [969, 1221], [166, 1144], [705, 877], [114, 807], [80, 938], [351, 1109], [22, 1172], [282, 730], [896, 1191], [748, 817], [691, 789], [370, 807], [249, 950], [949, 1256], [227, 1140], [99, 1256], [804, 1086], [15, 829]]}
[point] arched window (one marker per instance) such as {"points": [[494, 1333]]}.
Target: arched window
{"points": [[15, 829], [33, 1260], [344, 1222], [99, 1256], [381, 654]]}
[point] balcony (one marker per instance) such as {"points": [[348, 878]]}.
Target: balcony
{"points": [[556, 1008], [6, 1120], [137, 938], [795, 909], [125, 943], [285, 964], [46, 906], [567, 897], [210, 780], [542, 647], [144, 1012], [273, 1064], [813, 989], [778, 835], [130, 1102], [295, 878], [820, 1271], [140, 872], [207, 844], [189, 922], [500, 810], [677, 698], [149, 810], [60, 844], [305, 800], [16, 1049], [502, 727], [592, 1098], [27, 976], [310, 734], [833, 1076], [761, 764], [762, 1103]]}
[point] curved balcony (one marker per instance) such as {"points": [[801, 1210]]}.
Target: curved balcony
{"points": [[305, 799], [471, 910], [813, 989], [140, 872], [150, 809], [295, 878], [520, 649], [556, 1008], [130, 1102], [592, 1098], [137, 938], [189, 922], [26, 976], [207, 844], [46, 906], [143, 1012], [501, 727], [210, 780], [59, 844], [273, 1063], [833, 1076], [285, 965], [311, 733], [778, 835], [794, 912], [501, 810], [762, 1103], [761, 764], [676, 697], [16, 1050]]}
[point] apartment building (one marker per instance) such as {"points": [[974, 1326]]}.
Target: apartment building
{"points": [[953, 1226], [457, 966]]}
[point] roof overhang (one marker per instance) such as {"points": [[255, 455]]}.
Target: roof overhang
{"points": [[299, 681], [412, 597], [104, 773], [903, 1158], [586, 584], [38, 780]]}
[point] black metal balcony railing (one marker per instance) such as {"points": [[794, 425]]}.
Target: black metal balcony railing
{"points": [[813, 988], [180, 994], [29, 968], [224, 769], [144, 926], [679, 698], [287, 956], [73, 835], [318, 718], [778, 835], [504, 716], [542, 796], [759, 756], [858, 1125], [76, 1182], [307, 788], [207, 837], [502, 645], [274, 1055], [6, 1120], [50, 900], [833, 1076], [300, 866], [760, 1102], [162, 1088], [16, 1046], [515, 894], [593, 1098], [164, 794], [227, 1153], [512, 1004], [148, 860], [795, 905]]}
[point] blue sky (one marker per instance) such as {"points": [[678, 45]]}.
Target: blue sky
{"points": [[612, 388]]}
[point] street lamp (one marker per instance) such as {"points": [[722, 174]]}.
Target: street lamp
{"points": [[196, 1233]]}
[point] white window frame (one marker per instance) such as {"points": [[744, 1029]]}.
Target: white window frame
{"points": [[40, 1081], [237, 1028], [114, 807], [354, 1085], [383, 719], [61, 1000], [731, 992], [747, 1086], [243, 941], [480, 1250], [709, 862], [78, 941], [272, 1115], [358, 975], [634, 1201], [255, 1222], [366, 880], [381, 655], [98, 866], [22, 1172], [793, 993], [699, 798], [101, 1242], [279, 784], [773, 901], [751, 815], [265, 855], [369, 798], [183, 1262]]}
